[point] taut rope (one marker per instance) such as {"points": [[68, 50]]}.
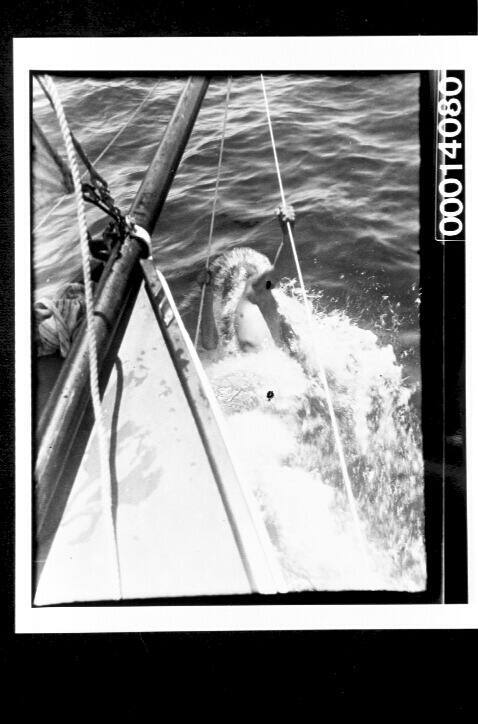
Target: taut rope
{"points": [[213, 213], [323, 377], [92, 353], [98, 158]]}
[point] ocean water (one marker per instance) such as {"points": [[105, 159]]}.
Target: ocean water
{"points": [[349, 155]]}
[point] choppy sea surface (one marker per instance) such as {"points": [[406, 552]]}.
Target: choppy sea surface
{"points": [[349, 154]]}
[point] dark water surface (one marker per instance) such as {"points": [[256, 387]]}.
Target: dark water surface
{"points": [[349, 156]]}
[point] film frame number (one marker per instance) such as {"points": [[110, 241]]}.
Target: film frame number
{"points": [[450, 156]]}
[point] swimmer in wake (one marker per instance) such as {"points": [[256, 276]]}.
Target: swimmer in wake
{"points": [[239, 300]]}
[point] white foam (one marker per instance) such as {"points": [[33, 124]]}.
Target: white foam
{"points": [[289, 461]]}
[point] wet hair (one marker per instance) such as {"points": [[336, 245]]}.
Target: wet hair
{"points": [[233, 268], [230, 273]]}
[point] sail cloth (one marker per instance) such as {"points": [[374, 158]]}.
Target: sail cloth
{"points": [[174, 533]]}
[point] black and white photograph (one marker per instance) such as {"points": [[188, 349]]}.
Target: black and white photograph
{"points": [[232, 400], [282, 453]]}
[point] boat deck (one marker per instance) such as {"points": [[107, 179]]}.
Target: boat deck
{"points": [[174, 534]]}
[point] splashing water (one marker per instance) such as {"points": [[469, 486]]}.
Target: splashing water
{"points": [[286, 450]]}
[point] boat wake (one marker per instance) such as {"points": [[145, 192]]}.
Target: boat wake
{"points": [[280, 427]]}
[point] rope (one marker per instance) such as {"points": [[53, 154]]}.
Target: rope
{"points": [[213, 213], [92, 353], [76, 144], [58, 320], [323, 377], [103, 152]]}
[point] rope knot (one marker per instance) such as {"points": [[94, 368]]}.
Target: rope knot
{"points": [[204, 278], [285, 214]]}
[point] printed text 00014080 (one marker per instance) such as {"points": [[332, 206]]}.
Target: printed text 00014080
{"points": [[450, 157]]}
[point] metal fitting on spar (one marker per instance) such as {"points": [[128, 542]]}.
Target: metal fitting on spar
{"points": [[141, 235]]}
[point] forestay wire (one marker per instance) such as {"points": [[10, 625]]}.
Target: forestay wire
{"points": [[90, 331], [213, 213], [323, 377]]}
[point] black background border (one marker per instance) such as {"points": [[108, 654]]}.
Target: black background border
{"points": [[353, 667]]}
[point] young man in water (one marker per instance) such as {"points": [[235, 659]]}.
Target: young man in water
{"points": [[257, 320]]}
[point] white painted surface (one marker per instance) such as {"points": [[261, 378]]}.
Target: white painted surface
{"points": [[173, 533]]}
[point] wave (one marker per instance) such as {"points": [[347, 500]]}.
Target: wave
{"points": [[288, 457]]}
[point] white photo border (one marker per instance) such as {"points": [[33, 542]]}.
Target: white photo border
{"points": [[288, 54]]}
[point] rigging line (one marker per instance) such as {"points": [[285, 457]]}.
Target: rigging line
{"points": [[106, 487], [77, 145], [213, 213], [323, 377], [103, 152]]}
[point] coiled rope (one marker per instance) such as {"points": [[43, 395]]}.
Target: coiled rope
{"points": [[92, 352], [103, 152], [58, 320], [213, 213], [323, 377]]}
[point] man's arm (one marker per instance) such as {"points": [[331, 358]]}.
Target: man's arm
{"points": [[261, 286], [261, 294]]}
